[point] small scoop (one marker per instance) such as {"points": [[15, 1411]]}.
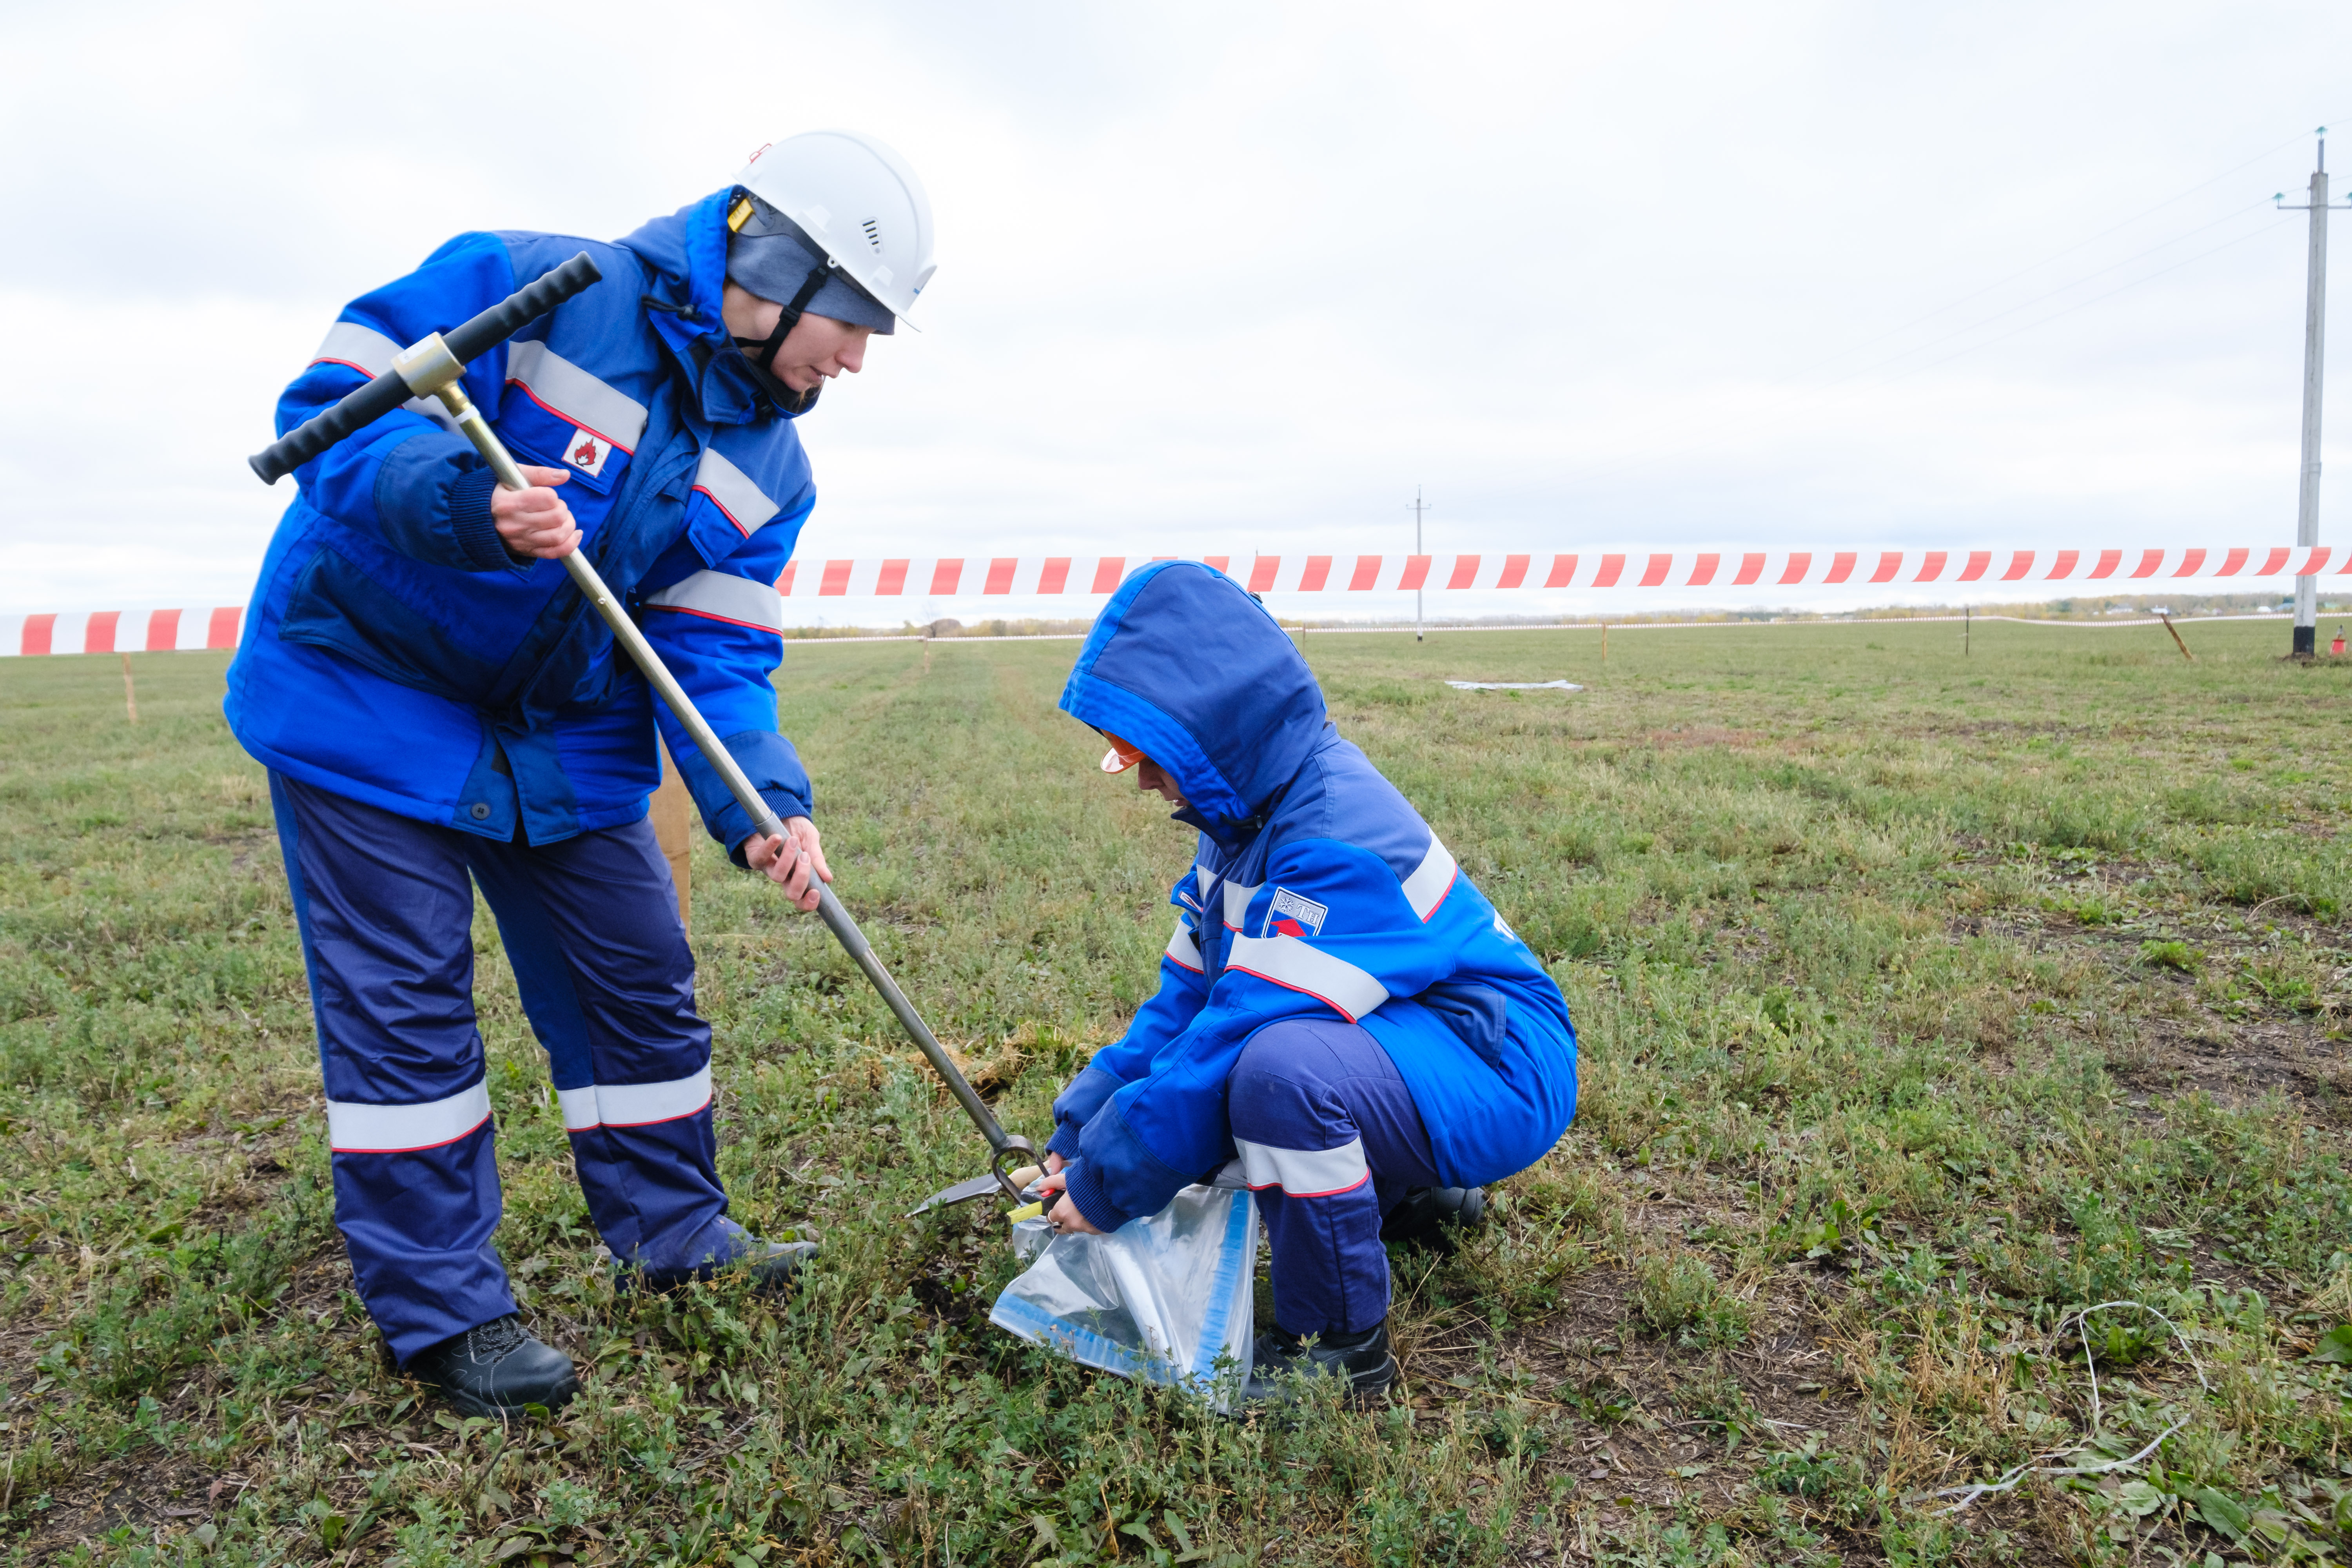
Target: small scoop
{"points": [[977, 1187]]}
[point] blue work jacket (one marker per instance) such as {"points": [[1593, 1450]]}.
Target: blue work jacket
{"points": [[1316, 890], [395, 653]]}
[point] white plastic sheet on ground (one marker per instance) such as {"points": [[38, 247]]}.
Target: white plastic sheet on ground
{"points": [[1515, 685], [1163, 1299]]}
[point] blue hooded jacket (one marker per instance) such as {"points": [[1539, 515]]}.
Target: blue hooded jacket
{"points": [[395, 653], [1316, 890]]}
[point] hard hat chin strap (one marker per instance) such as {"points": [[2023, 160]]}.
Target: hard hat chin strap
{"points": [[761, 352]]}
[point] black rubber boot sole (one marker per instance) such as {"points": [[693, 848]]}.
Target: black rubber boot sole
{"points": [[465, 1403]]}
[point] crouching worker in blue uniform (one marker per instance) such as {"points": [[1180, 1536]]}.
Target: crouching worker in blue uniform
{"points": [[1340, 1013], [440, 709]]}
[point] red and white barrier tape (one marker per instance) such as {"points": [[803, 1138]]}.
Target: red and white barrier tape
{"points": [[1094, 576], [117, 631], [1074, 575]]}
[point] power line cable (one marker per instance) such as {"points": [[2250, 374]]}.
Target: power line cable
{"points": [[2059, 255], [2093, 300], [1620, 470], [1623, 468], [2054, 293]]}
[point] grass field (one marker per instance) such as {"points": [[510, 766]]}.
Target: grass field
{"points": [[1924, 1001]]}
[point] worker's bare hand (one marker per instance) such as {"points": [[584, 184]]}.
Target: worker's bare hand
{"points": [[535, 522], [1064, 1215], [794, 862]]}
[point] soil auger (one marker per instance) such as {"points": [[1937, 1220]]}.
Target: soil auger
{"points": [[431, 368]]}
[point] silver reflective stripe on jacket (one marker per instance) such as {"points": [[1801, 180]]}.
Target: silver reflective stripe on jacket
{"points": [[1431, 880], [369, 351], [363, 349], [731, 490], [722, 596], [1287, 962], [563, 389], [1183, 949]]}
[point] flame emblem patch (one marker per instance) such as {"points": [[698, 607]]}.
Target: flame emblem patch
{"points": [[587, 453]]}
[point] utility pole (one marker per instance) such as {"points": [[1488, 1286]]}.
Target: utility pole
{"points": [[2315, 349], [1418, 508]]}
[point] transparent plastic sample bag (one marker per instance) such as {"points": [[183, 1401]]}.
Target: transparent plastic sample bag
{"points": [[1164, 1299]]}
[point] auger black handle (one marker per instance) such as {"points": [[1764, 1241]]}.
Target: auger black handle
{"points": [[388, 391], [520, 308]]}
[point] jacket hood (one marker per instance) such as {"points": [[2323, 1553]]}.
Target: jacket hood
{"points": [[1185, 665], [685, 256]]}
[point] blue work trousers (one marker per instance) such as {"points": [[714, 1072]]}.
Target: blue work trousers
{"points": [[385, 905], [1329, 1139]]}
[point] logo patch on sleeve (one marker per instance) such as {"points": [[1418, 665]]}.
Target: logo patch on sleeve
{"points": [[587, 453], [1291, 915]]}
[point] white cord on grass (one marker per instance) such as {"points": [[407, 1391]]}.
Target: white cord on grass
{"points": [[2034, 1467]]}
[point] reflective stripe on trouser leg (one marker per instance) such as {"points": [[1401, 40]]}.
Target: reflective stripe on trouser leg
{"points": [[419, 1272], [1329, 1137], [590, 926], [386, 918]]}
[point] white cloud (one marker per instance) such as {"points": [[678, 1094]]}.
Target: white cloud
{"points": [[1222, 277]]}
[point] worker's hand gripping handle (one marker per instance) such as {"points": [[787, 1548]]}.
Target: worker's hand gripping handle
{"points": [[390, 390]]}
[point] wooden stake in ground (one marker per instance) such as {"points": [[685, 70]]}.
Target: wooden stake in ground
{"points": [[672, 810], [130, 690], [1604, 642], [2176, 637], [1967, 629]]}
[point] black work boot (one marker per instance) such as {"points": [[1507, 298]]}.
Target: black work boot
{"points": [[496, 1369], [1435, 1218], [1363, 1358]]}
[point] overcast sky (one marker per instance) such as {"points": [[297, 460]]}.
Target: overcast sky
{"points": [[1235, 277]]}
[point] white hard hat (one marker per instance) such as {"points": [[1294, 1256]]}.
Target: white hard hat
{"points": [[859, 200]]}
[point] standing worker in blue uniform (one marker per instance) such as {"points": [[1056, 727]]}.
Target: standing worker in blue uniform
{"points": [[440, 709], [1341, 1012]]}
